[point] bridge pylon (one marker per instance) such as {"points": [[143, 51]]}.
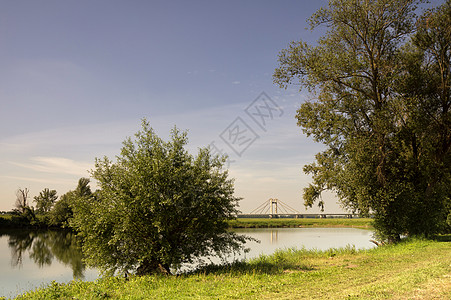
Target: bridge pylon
{"points": [[274, 207]]}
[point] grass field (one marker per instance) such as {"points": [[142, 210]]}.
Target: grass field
{"points": [[302, 222], [416, 269]]}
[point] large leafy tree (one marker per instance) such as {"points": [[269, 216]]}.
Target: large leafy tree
{"points": [[157, 207], [425, 87], [370, 126], [45, 200]]}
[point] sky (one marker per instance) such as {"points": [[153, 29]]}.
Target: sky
{"points": [[77, 77]]}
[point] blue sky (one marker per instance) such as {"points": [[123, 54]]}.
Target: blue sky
{"points": [[76, 78]]}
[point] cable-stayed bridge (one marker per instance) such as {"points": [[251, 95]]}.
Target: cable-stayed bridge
{"points": [[275, 208]]}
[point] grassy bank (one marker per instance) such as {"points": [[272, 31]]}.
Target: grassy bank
{"points": [[418, 269], [305, 222], [19, 222]]}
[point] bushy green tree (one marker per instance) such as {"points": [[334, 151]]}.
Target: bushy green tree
{"points": [[379, 155], [45, 200], [62, 211], [157, 207]]}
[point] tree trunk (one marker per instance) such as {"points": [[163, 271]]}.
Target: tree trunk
{"points": [[148, 267]]}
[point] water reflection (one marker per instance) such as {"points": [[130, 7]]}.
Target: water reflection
{"points": [[272, 239], [44, 247], [274, 236]]}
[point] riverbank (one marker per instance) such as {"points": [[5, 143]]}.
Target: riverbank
{"points": [[9, 221], [365, 223], [415, 268]]}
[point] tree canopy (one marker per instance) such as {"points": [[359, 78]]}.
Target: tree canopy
{"points": [[45, 200], [62, 212], [157, 207], [381, 79]]}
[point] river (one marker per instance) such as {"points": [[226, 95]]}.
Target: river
{"points": [[29, 260]]}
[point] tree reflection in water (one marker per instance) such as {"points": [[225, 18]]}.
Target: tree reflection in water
{"points": [[44, 246]]}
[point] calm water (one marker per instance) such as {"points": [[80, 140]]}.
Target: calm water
{"points": [[31, 259]]}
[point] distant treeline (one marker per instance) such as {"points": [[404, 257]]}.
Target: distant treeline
{"points": [[49, 211]]}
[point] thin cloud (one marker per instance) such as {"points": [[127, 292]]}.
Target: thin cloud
{"points": [[42, 180], [58, 165]]}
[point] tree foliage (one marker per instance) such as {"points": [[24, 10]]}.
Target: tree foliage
{"points": [[157, 207], [381, 80], [45, 200], [62, 212]]}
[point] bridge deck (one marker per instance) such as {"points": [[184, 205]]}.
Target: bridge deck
{"points": [[298, 216]]}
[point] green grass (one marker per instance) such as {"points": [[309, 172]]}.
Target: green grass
{"points": [[419, 269], [302, 222], [14, 221], [7, 221]]}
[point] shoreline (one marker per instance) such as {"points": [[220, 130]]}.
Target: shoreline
{"points": [[11, 223], [362, 223]]}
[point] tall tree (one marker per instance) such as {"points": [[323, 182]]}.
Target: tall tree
{"points": [[83, 189], [425, 88], [22, 208], [21, 203], [157, 207], [360, 113], [62, 211], [45, 200]]}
